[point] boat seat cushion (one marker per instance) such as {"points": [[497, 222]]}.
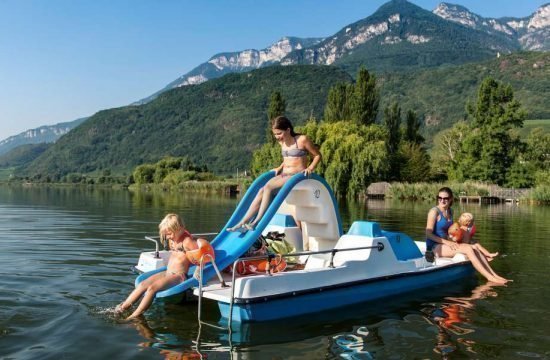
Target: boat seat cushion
{"points": [[365, 228], [402, 245]]}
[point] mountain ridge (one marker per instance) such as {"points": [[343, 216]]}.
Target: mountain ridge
{"points": [[396, 49], [41, 134]]}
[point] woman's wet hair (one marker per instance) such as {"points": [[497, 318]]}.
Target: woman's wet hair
{"points": [[282, 123]]}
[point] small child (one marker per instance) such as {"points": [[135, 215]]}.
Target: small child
{"points": [[466, 223], [171, 229]]}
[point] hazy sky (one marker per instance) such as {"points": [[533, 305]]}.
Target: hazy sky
{"points": [[65, 59]]}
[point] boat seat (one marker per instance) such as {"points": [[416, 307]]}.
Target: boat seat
{"points": [[365, 228], [402, 245]]}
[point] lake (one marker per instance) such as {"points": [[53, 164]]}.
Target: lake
{"points": [[67, 253]]}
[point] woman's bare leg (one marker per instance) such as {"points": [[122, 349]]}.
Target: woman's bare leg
{"points": [[271, 185], [480, 264], [252, 210]]}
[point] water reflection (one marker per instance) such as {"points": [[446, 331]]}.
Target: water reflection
{"points": [[67, 253], [453, 320]]}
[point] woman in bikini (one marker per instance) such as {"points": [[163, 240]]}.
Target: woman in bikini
{"points": [[440, 218], [295, 149], [171, 229]]}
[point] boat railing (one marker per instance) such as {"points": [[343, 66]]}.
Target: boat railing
{"points": [[220, 278]]}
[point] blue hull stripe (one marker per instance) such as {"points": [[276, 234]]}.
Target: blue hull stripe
{"points": [[332, 297]]}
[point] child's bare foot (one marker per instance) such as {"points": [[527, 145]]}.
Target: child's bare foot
{"points": [[122, 307], [249, 226]]}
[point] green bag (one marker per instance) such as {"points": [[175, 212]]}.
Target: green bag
{"points": [[279, 245]]}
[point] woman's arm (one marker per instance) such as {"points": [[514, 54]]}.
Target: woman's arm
{"points": [[430, 224], [314, 152], [279, 169]]}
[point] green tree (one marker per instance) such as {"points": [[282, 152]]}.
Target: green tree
{"points": [[489, 150], [416, 164], [445, 152], [354, 155], [277, 107], [267, 157], [537, 155], [337, 107], [364, 104], [412, 129], [392, 123], [143, 174]]}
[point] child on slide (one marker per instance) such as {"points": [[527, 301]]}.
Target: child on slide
{"points": [[171, 229]]}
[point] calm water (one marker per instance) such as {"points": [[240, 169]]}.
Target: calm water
{"points": [[66, 257]]}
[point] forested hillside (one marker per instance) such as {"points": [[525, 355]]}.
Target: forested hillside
{"points": [[221, 122], [218, 123], [440, 94], [23, 154]]}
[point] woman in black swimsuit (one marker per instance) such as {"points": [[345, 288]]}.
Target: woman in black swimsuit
{"points": [[294, 149]]}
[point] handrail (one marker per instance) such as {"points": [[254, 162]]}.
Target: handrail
{"points": [[153, 239], [223, 284]]}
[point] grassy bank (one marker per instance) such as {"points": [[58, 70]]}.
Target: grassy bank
{"points": [[428, 191], [217, 186]]}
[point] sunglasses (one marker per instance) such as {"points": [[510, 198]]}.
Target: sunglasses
{"points": [[439, 198]]}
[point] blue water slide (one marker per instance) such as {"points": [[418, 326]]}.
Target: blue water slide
{"points": [[229, 246]]}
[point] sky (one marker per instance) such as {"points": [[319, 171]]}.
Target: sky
{"points": [[65, 59]]}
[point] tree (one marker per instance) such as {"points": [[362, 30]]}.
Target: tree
{"points": [[537, 156], [489, 150], [337, 107], [416, 165], [365, 100], [353, 155], [277, 107], [412, 129], [392, 123], [447, 146], [143, 174]]}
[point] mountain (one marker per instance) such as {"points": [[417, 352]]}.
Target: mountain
{"points": [[402, 36], [22, 155], [42, 134], [399, 36], [237, 62], [218, 123], [531, 33]]}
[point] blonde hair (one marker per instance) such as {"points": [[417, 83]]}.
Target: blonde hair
{"points": [[172, 222], [465, 219]]}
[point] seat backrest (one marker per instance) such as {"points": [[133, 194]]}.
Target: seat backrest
{"points": [[365, 228], [402, 245]]}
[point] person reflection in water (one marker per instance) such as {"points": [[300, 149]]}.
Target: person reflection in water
{"points": [[454, 317]]}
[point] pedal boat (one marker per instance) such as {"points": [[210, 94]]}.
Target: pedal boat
{"points": [[366, 264], [336, 270]]}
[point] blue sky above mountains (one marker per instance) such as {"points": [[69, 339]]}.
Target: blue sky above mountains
{"points": [[64, 59]]}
